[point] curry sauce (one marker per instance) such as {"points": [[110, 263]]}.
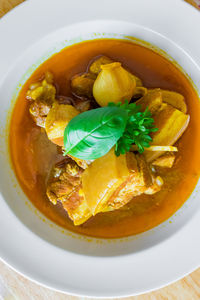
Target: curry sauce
{"points": [[33, 155]]}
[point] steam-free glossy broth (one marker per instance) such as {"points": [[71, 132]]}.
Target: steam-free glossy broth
{"points": [[33, 155]]}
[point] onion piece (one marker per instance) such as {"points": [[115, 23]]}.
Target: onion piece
{"points": [[156, 148]]}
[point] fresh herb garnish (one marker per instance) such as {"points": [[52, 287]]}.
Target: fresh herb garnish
{"points": [[138, 128], [92, 134]]}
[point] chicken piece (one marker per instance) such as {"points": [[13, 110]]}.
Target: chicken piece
{"points": [[39, 111], [171, 124], [65, 186], [155, 187], [174, 99], [77, 207], [95, 67], [43, 96], [64, 177], [106, 185], [44, 92], [81, 162], [165, 161], [82, 85], [110, 181], [140, 180], [82, 104], [64, 100], [56, 121]]}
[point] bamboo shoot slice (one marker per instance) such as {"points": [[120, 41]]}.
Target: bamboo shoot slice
{"points": [[171, 124]]}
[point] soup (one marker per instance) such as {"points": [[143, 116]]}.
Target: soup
{"points": [[37, 153]]}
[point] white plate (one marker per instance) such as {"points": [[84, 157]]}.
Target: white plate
{"points": [[28, 241]]}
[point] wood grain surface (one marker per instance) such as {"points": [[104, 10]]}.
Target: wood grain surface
{"points": [[16, 287]]}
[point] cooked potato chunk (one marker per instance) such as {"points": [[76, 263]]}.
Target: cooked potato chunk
{"points": [[56, 121], [82, 85]]}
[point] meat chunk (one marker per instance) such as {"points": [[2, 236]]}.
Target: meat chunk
{"points": [[110, 182], [140, 180], [95, 67], [77, 207], [83, 104], [65, 176], [39, 111], [107, 184], [82, 85], [165, 161], [81, 162], [65, 186], [42, 94]]}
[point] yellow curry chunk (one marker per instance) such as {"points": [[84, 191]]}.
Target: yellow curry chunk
{"points": [[110, 181], [56, 121], [101, 178], [171, 124], [174, 99]]}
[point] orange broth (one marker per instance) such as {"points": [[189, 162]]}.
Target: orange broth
{"points": [[33, 155]]}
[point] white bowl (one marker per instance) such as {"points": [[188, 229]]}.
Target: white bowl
{"points": [[32, 244]]}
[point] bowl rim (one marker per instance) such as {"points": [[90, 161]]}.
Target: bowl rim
{"points": [[7, 59]]}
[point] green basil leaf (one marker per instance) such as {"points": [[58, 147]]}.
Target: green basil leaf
{"points": [[93, 133]]}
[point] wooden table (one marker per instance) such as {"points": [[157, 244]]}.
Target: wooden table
{"points": [[14, 286]]}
